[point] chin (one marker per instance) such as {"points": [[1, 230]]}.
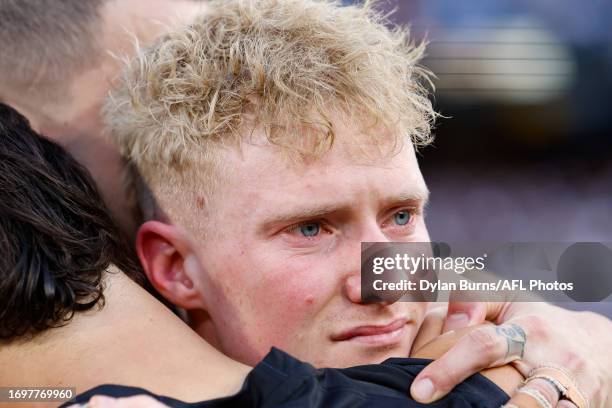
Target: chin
{"points": [[354, 355]]}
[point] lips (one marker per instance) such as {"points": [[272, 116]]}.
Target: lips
{"points": [[372, 331]]}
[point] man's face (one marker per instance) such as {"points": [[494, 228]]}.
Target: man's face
{"points": [[282, 254]]}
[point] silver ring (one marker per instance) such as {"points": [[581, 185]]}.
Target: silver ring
{"points": [[537, 395]]}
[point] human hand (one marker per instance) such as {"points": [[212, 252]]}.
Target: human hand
{"points": [[136, 401], [528, 335]]}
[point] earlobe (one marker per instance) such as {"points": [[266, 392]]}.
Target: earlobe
{"points": [[169, 263]]}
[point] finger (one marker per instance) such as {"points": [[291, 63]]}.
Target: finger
{"points": [[463, 314], [566, 404], [488, 346], [102, 401], [139, 401], [429, 329], [538, 393], [523, 401]]}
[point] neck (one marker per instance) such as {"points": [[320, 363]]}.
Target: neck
{"points": [[201, 323], [133, 340]]}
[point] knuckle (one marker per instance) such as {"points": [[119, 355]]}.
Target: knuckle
{"points": [[536, 327], [574, 362], [484, 341], [443, 375]]}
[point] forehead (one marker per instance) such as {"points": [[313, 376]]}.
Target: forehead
{"points": [[348, 171]]}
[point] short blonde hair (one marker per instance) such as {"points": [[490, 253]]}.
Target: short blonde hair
{"points": [[281, 64]]}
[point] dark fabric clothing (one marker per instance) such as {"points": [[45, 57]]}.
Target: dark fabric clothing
{"points": [[280, 380]]}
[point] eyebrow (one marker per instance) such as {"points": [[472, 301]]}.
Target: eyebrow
{"points": [[420, 197]]}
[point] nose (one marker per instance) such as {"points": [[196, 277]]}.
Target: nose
{"points": [[353, 288], [352, 281]]}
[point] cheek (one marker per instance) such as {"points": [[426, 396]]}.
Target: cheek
{"points": [[259, 301], [299, 286], [292, 303]]}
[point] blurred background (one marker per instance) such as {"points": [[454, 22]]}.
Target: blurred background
{"points": [[525, 153]]}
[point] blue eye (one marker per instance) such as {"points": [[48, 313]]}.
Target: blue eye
{"points": [[310, 229], [402, 217]]}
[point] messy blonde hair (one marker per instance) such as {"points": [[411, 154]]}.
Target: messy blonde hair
{"points": [[285, 65]]}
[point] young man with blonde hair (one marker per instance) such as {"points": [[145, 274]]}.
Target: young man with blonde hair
{"points": [[275, 137], [270, 138]]}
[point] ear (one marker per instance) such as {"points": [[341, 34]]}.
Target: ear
{"points": [[170, 262]]}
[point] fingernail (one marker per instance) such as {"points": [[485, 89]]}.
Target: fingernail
{"points": [[423, 390], [456, 321], [102, 401]]}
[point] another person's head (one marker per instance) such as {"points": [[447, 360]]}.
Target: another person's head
{"points": [[59, 57], [56, 236], [58, 60], [271, 138]]}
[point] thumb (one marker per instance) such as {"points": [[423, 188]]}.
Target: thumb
{"points": [[464, 314]]}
